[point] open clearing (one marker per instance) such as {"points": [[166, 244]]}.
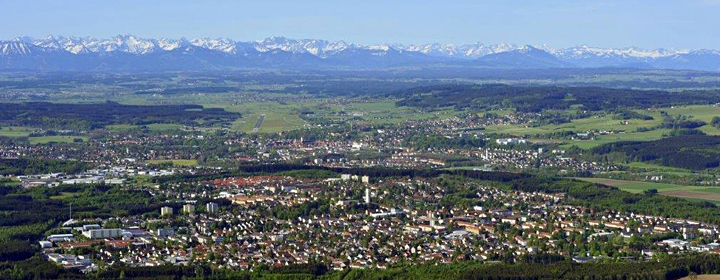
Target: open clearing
{"points": [[278, 116], [703, 277], [285, 116], [66, 195], [56, 139], [176, 162], [701, 195], [609, 123], [639, 186], [711, 194], [17, 131]]}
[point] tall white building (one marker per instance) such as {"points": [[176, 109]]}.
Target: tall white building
{"points": [[166, 211], [367, 196], [211, 207], [366, 179], [189, 209]]}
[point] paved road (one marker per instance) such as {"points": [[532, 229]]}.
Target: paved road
{"points": [[259, 122]]}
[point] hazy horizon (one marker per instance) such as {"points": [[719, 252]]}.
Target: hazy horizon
{"points": [[349, 42], [642, 24]]}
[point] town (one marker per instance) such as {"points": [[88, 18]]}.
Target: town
{"points": [[361, 222]]}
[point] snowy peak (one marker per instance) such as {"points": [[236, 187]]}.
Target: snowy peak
{"points": [[323, 48], [275, 51], [123, 43], [465, 51], [317, 47], [585, 51], [120, 43], [16, 48]]}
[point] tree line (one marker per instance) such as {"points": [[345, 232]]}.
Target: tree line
{"points": [[539, 98]]}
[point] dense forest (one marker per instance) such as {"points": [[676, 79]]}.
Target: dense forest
{"points": [[666, 269], [537, 99], [694, 152], [89, 116]]}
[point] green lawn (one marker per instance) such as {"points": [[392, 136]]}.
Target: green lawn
{"points": [[599, 123], [608, 122], [278, 116], [163, 126], [380, 112], [275, 121], [66, 195], [285, 116], [692, 193], [698, 112], [712, 190], [55, 139], [151, 127], [640, 186], [659, 168], [628, 136], [121, 127], [17, 131]]}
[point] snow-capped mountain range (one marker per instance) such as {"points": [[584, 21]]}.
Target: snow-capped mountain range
{"points": [[128, 53]]}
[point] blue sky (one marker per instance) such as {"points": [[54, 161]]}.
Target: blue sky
{"points": [[558, 23]]}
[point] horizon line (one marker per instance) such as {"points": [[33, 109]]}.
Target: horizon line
{"points": [[539, 46]]}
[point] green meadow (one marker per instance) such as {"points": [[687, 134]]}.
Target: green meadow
{"points": [[176, 162]]}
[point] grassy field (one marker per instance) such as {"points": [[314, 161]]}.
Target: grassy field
{"points": [[176, 162], [655, 167], [609, 123], [55, 139], [151, 127], [639, 186], [641, 167], [610, 138], [700, 112], [66, 195], [601, 122], [163, 126], [278, 116], [17, 131], [121, 127], [702, 277], [386, 112], [695, 193], [285, 116]]}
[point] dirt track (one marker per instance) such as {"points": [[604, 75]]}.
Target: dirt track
{"points": [[615, 183], [693, 194], [704, 277]]}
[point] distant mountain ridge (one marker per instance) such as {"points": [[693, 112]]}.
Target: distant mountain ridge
{"points": [[131, 53]]}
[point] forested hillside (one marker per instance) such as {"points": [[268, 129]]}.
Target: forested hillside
{"points": [[89, 116], [695, 152], [536, 99]]}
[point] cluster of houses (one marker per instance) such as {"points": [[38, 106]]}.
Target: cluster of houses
{"points": [[537, 158], [358, 223], [113, 175]]}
